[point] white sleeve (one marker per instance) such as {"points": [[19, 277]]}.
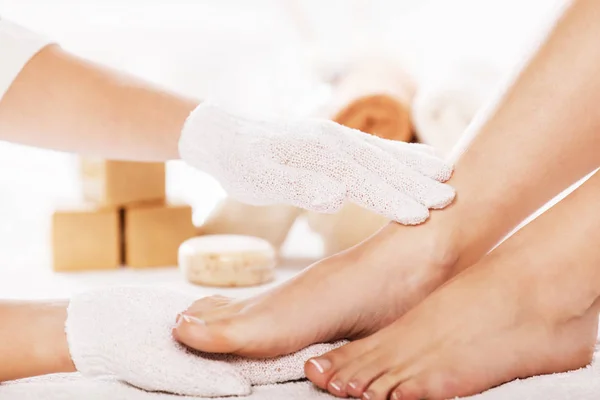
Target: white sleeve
{"points": [[17, 46]]}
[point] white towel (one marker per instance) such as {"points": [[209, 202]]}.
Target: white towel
{"points": [[125, 333], [77, 387], [446, 104], [583, 384]]}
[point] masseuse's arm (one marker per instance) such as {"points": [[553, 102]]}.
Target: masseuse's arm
{"points": [[52, 99], [63, 102]]}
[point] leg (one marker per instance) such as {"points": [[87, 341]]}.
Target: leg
{"points": [[519, 157], [528, 308], [32, 339]]}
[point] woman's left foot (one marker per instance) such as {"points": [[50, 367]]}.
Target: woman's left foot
{"points": [[489, 325]]}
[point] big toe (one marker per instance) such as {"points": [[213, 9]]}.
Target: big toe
{"points": [[214, 307], [208, 303], [218, 336], [238, 334]]}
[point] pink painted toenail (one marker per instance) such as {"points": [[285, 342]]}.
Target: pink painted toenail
{"points": [[192, 320], [368, 395], [336, 385], [321, 364]]}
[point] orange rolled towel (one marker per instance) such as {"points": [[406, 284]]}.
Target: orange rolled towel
{"points": [[374, 98]]}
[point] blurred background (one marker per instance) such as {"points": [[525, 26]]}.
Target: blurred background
{"points": [[278, 57]]}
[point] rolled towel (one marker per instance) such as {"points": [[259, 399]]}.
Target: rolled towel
{"points": [[444, 106], [125, 333], [375, 98]]}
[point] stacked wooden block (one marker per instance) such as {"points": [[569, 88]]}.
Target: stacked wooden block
{"points": [[124, 220]]}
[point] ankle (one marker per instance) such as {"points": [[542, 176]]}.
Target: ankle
{"points": [[439, 247], [545, 284], [458, 243]]}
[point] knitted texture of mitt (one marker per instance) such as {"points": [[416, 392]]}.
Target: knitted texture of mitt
{"points": [[315, 164], [125, 333]]}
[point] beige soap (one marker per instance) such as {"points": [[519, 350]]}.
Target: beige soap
{"points": [[227, 260]]}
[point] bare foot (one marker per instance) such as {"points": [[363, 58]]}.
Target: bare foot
{"points": [[491, 324], [350, 295]]}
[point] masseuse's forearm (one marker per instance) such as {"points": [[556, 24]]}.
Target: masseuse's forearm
{"points": [[32, 339], [63, 102], [543, 136]]}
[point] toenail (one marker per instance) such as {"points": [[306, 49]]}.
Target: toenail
{"points": [[178, 318], [353, 385], [396, 396], [321, 364], [192, 320], [336, 385], [368, 395]]}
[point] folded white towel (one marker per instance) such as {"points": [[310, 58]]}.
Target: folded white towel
{"points": [[583, 384], [77, 387], [125, 333], [445, 105]]}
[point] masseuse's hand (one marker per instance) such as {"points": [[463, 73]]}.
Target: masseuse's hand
{"points": [[315, 164]]}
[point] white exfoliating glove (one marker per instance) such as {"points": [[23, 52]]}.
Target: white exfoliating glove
{"points": [[125, 333], [315, 164]]}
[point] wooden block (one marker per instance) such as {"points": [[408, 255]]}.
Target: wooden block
{"points": [[86, 238], [153, 233], [118, 183]]}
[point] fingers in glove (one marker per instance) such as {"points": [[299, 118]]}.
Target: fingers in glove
{"points": [[421, 158], [429, 192], [373, 193]]}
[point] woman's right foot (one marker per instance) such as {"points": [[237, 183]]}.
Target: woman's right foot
{"points": [[350, 295], [503, 319]]}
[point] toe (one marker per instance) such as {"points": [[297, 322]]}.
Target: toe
{"points": [[383, 387], [215, 308], [321, 370], [429, 384], [203, 305], [240, 334], [355, 376], [412, 389], [208, 303], [370, 370], [214, 337]]}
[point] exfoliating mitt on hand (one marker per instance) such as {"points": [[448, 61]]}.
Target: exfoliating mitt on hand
{"points": [[125, 333]]}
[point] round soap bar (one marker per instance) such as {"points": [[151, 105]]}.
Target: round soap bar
{"points": [[227, 260]]}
